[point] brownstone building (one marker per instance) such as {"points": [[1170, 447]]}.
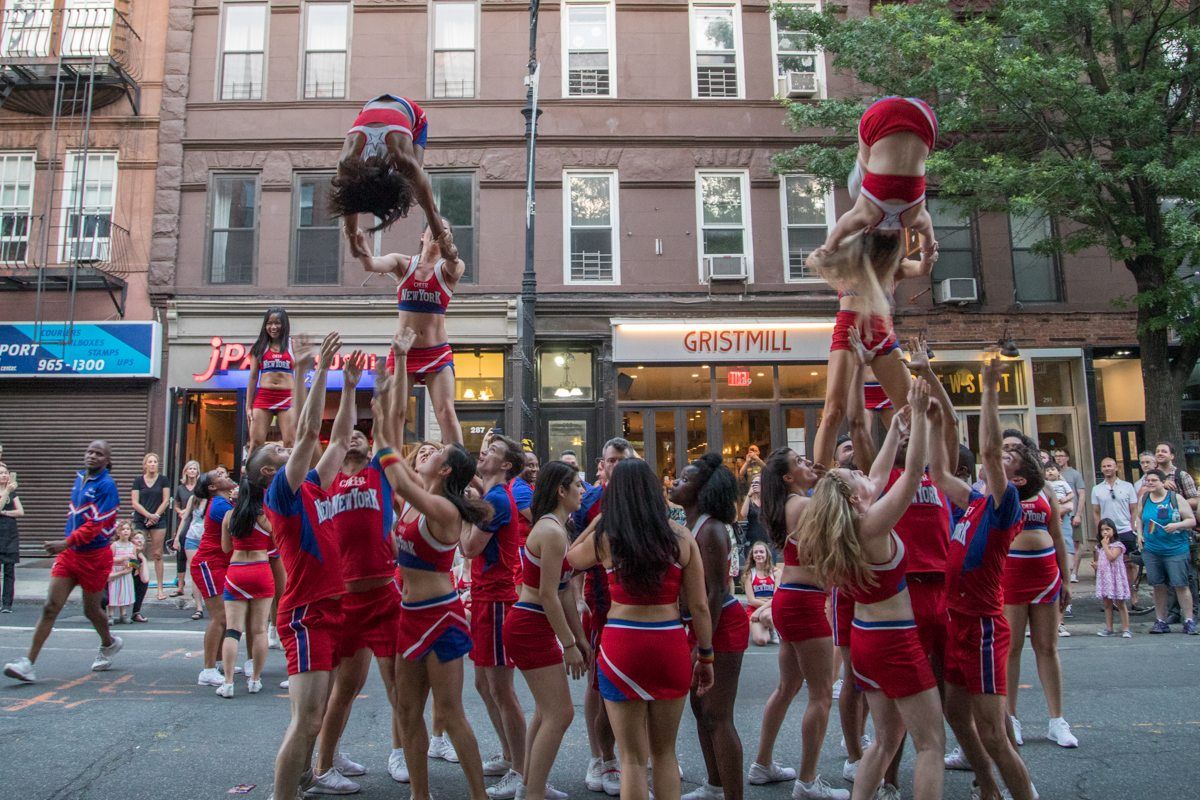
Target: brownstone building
{"points": [[673, 304]]}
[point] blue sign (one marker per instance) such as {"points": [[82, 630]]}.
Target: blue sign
{"points": [[96, 350]]}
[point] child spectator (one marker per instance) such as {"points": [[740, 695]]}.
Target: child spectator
{"points": [[120, 579], [1112, 582], [141, 576]]}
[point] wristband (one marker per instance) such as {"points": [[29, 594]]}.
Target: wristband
{"points": [[705, 651], [706, 659], [387, 456], [569, 646]]}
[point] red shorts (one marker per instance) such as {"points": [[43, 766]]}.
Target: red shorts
{"points": [[733, 629], [881, 332], [372, 619], [89, 569], [487, 633], [249, 580], [644, 661], [438, 624], [892, 115], [309, 634], [424, 361], [798, 612], [875, 398], [278, 400], [887, 657], [529, 639], [209, 576], [841, 608], [1031, 577], [927, 593], [977, 653]]}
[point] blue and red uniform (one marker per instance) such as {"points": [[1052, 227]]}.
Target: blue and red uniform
{"points": [[494, 580], [277, 400], [91, 523], [763, 588], [977, 633], [1032, 577], [522, 493], [250, 580], [644, 660], [309, 618], [925, 530], [430, 295], [798, 609], [529, 638], [437, 624], [210, 563]]}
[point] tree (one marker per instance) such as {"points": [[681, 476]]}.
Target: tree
{"points": [[1084, 110]]}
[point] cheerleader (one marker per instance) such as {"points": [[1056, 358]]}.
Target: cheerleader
{"points": [[758, 584], [269, 387]]}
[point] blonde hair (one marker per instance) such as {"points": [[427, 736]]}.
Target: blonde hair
{"points": [[828, 533], [183, 474], [862, 264], [149, 456]]}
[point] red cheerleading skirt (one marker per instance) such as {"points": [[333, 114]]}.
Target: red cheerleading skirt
{"points": [[733, 629], [209, 576], [927, 593], [372, 619], [438, 624], [875, 398], [529, 639], [841, 608], [309, 635], [881, 332], [249, 580], [798, 612], [887, 657], [1031, 577], [424, 361], [277, 400], [977, 652], [644, 661]]}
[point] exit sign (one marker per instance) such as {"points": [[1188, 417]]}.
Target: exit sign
{"points": [[738, 377]]}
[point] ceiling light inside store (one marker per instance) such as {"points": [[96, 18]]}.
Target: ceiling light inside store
{"points": [[469, 394], [559, 361], [562, 391]]}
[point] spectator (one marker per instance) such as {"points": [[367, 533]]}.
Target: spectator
{"points": [[10, 542], [1179, 481], [1066, 505], [753, 466], [120, 579], [1072, 476], [571, 458], [1146, 462], [1112, 581], [843, 452], [1164, 525], [751, 512], [150, 498], [1115, 499], [183, 493], [141, 576], [1044, 457]]}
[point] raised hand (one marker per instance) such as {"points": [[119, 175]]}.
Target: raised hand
{"points": [[992, 368], [445, 243], [381, 429], [902, 419], [352, 368], [918, 354], [305, 353], [918, 396], [402, 342], [329, 349]]}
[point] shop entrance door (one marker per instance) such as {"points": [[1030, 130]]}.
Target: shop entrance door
{"points": [[1122, 442], [797, 428], [568, 429], [668, 438]]}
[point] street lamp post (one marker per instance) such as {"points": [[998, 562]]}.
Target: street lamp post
{"points": [[524, 384]]}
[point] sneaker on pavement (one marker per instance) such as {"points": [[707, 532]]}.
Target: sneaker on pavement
{"points": [[592, 777], [1074, 578], [273, 642], [817, 790], [507, 787], [495, 766], [1160, 627], [1125, 634], [1062, 630], [253, 686], [837, 688], [610, 777], [887, 792], [351, 769], [864, 742], [209, 677], [849, 771], [977, 793], [1059, 732], [957, 760], [1105, 632], [21, 670], [555, 794], [333, 782], [225, 690], [774, 635], [397, 766], [1189, 627], [441, 747], [774, 773], [283, 684], [104, 655], [1016, 726], [706, 791], [1068, 612]]}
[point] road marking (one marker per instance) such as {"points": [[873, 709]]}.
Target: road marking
{"points": [[44, 697], [112, 687], [170, 653]]}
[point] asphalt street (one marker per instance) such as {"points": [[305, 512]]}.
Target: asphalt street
{"points": [[146, 730]]}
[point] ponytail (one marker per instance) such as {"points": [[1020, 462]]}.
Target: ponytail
{"points": [[247, 509], [828, 535], [773, 496], [473, 510]]}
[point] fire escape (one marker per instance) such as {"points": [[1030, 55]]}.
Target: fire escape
{"points": [[63, 60]]}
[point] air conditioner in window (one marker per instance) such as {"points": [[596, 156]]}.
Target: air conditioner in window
{"points": [[800, 84], [725, 268], [956, 291]]}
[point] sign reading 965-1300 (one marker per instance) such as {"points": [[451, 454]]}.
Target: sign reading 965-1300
{"points": [[85, 349]]}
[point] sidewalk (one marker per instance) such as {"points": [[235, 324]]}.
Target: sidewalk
{"points": [[33, 579]]}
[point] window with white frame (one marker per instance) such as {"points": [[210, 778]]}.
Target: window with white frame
{"points": [[87, 27], [454, 194], [89, 190], [316, 242], [325, 50], [16, 205], [797, 60], [590, 227], [243, 51], [454, 32], [956, 243], [1035, 274], [588, 43], [723, 200], [716, 32], [805, 220], [28, 28], [233, 226]]}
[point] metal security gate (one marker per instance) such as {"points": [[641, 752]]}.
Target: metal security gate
{"points": [[45, 426]]}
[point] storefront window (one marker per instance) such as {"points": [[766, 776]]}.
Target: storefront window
{"points": [[476, 424], [963, 383], [695, 426], [1053, 383], [802, 382], [649, 383], [1055, 431], [568, 434], [746, 383], [664, 442], [566, 375], [478, 376], [741, 428], [633, 428], [212, 422]]}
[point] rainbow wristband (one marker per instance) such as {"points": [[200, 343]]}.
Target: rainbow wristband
{"points": [[706, 659], [387, 457]]}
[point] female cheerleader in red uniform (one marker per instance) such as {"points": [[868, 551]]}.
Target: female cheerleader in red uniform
{"points": [[269, 387], [542, 632], [645, 665], [209, 565], [848, 535], [758, 584]]}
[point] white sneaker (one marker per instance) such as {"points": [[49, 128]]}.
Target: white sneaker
{"points": [[593, 779], [1062, 631], [1074, 578], [849, 770], [956, 760], [248, 667], [397, 767], [333, 782], [976, 794], [104, 655], [864, 742], [441, 747], [21, 670], [1016, 723], [770, 774], [610, 777], [209, 677], [225, 690], [837, 688], [555, 794], [350, 769], [494, 766], [706, 792], [774, 637], [273, 642], [253, 686], [506, 788], [283, 684], [887, 792], [1059, 732], [817, 790]]}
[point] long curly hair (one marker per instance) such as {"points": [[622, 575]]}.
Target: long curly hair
{"points": [[862, 265], [634, 522], [828, 534], [370, 186]]}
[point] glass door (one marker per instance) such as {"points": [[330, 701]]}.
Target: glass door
{"points": [[797, 429], [568, 429]]}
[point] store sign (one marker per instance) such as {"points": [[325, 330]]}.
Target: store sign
{"points": [[96, 350], [228, 367], [964, 382], [738, 377], [635, 342]]}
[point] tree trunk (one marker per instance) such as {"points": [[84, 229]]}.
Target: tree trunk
{"points": [[1161, 386]]}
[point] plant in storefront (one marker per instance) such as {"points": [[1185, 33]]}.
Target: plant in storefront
{"points": [[1084, 111]]}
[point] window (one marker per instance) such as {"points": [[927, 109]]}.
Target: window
{"points": [[89, 187], [243, 53], [716, 31], [796, 52], [478, 376], [316, 251], [16, 203], [722, 211], [454, 193], [233, 225], [590, 226], [566, 375], [588, 43], [806, 222], [1035, 274], [956, 247], [453, 49], [325, 50], [28, 27], [87, 27]]}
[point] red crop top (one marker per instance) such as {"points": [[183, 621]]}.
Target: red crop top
{"points": [[791, 554], [258, 539], [666, 593], [418, 548], [889, 578]]}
